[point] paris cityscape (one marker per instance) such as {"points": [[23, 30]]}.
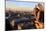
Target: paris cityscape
{"points": [[24, 15]]}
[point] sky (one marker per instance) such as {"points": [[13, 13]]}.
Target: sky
{"points": [[13, 4]]}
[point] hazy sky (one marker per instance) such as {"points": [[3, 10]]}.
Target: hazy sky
{"points": [[20, 5]]}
